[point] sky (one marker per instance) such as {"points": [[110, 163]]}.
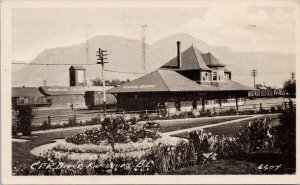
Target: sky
{"points": [[240, 28]]}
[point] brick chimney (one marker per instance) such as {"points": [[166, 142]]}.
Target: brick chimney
{"points": [[178, 55]]}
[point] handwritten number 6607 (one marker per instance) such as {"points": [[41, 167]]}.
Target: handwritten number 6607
{"points": [[269, 167]]}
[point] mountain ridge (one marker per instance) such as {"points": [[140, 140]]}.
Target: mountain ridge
{"points": [[126, 55]]}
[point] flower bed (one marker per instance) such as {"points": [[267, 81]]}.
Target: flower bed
{"points": [[96, 136], [114, 136], [103, 148]]}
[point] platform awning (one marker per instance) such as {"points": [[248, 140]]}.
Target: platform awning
{"points": [[161, 81]]}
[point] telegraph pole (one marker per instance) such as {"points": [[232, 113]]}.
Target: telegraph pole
{"points": [[144, 45], [254, 74], [101, 57]]}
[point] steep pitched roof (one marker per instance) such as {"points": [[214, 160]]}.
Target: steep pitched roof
{"points": [[211, 60], [160, 81], [191, 59], [25, 92]]}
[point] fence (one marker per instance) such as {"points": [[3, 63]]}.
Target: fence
{"points": [[87, 115]]}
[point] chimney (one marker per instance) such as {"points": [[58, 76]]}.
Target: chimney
{"points": [[178, 55]]}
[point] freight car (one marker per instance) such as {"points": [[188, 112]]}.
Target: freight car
{"points": [[94, 100], [28, 96], [261, 93]]}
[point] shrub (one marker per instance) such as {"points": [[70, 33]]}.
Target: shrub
{"points": [[25, 117], [150, 125], [163, 112], [132, 121], [286, 137], [191, 114], [263, 111], [205, 113], [273, 109], [72, 121], [279, 108], [45, 125], [228, 112], [247, 112], [144, 116]]}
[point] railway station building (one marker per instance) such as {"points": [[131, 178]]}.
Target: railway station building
{"points": [[191, 80]]}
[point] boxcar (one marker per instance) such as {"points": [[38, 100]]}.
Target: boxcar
{"points": [[94, 99]]}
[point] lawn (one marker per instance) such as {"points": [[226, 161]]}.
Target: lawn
{"points": [[183, 124], [234, 167], [228, 130], [21, 150]]}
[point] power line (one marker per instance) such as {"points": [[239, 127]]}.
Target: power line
{"points": [[123, 72], [262, 73], [35, 64]]}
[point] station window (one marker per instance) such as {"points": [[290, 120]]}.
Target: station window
{"points": [[214, 76]]}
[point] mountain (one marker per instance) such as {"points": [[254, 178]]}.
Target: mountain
{"points": [[126, 55]]}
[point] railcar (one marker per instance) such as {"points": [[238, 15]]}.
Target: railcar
{"points": [[94, 100]]}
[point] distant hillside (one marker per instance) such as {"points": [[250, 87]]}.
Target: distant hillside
{"points": [[126, 55]]}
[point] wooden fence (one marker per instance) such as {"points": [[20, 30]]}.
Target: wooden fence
{"points": [[83, 116]]}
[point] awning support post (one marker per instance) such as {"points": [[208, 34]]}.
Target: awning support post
{"points": [[237, 103]]}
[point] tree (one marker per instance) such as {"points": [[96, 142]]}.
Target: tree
{"points": [[114, 130], [25, 117], [290, 87], [114, 82], [96, 81]]}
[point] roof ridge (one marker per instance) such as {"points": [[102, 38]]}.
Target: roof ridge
{"points": [[196, 56], [163, 79]]}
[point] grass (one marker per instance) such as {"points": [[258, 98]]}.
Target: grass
{"points": [[183, 124], [228, 130], [220, 167], [234, 167], [21, 150]]}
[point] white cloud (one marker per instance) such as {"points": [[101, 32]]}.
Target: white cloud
{"points": [[239, 29]]}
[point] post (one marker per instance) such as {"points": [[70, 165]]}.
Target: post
{"points": [[99, 96], [203, 104], [260, 106], [237, 104], [49, 120], [220, 102], [104, 93]]}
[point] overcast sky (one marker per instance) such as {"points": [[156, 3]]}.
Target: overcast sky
{"points": [[240, 28]]}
